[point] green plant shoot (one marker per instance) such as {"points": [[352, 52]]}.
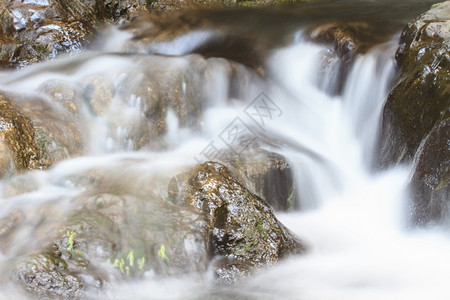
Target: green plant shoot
{"points": [[70, 241], [130, 258], [141, 263], [162, 253], [116, 263], [122, 266]]}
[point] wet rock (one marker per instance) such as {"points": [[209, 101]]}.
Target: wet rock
{"points": [[164, 34], [242, 226], [117, 231], [10, 222], [347, 39], [7, 165], [17, 131], [46, 275], [430, 183], [37, 135], [57, 132], [268, 175], [113, 238], [421, 97], [33, 31], [63, 93]]}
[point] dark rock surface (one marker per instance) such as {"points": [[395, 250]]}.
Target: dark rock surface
{"points": [[421, 97], [415, 120], [242, 226], [430, 183]]}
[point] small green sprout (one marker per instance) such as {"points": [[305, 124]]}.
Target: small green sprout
{"points": [[79, 253], [130, 258], [162, 253], [116, 263], [141, 263], [121, 266], [71, 235], [127, 266]]}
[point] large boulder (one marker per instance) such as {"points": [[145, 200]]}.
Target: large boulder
{"points": [[415, 117], [421, 96], [242, 227]]}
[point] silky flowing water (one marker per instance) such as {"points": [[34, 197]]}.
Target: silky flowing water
{"points": [[352, 218]]}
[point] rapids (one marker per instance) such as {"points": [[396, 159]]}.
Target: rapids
{"points": [[351, 217]]}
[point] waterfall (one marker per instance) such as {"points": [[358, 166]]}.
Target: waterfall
{"points": [[352, 219]]}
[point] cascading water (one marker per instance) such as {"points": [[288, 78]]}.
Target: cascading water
{"points": [[351, 219]]}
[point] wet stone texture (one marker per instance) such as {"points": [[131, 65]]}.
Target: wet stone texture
{"points": [[243, 229], [123, 228], [36, 135], [16, 130], [267, 174], [421, 97], [415, 116], [429, 186]]}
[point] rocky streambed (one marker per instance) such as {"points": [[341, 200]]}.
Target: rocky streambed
{"points": [[111, 113]]}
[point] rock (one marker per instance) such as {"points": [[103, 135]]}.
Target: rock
{"points": [[346, 45], [415, 117], [7, 165], [188, 32], [10, 222], [430, 183], [109, 239], [37, 135], [33, 31], [17, 131], [242, 227], [57, 132], [124, 228], [266, 174], [421, 96], [45, 276]]}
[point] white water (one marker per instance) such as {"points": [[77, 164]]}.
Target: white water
{"points": [[352, 220]]}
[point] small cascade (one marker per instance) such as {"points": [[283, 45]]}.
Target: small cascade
{"points": [[141, 119]]}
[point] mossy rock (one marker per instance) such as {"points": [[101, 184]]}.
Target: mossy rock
{"points": [[421, 96], [243, 228], [119, 231], [17, 130], [415, 119]]}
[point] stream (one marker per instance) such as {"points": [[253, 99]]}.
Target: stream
{"points": [[353, 219]]}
